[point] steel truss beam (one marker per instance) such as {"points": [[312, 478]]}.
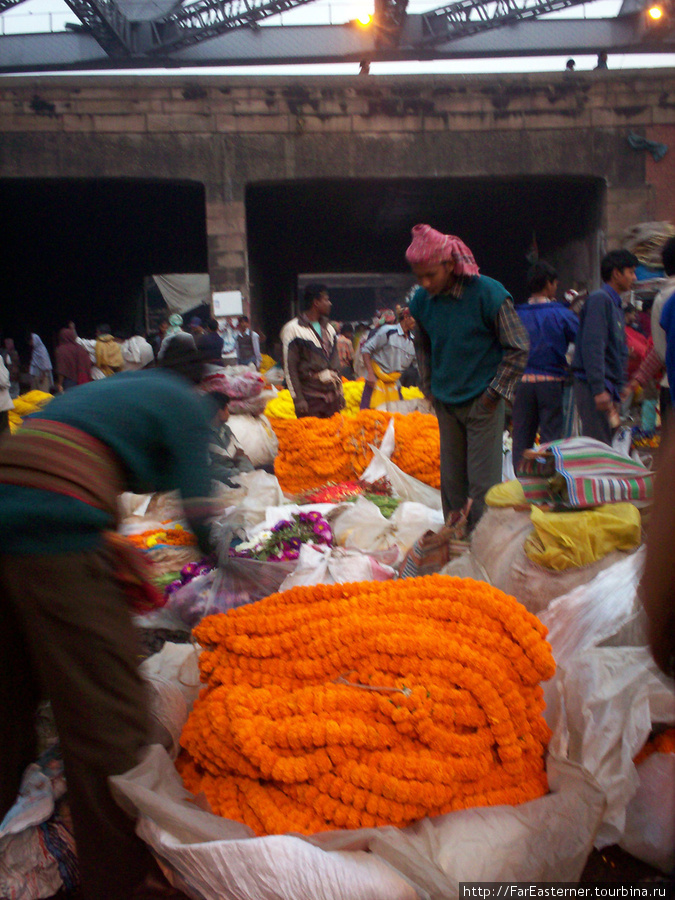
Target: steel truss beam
{"points": [[465, 17], [8, 4], [205, 19], [106, 23]]}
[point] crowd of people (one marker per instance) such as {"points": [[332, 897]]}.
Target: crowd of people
{"points": [[113, 428]]}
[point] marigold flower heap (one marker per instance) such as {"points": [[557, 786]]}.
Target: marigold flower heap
{"points": [[368, 704], [313, 452]]}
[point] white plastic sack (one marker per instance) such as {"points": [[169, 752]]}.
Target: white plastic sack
{"points": [[601, 707], [548, 839], [649, 833], [403, 485], [256, 438], [257, 491], [497, 556], [363, 527], [336, 565]]}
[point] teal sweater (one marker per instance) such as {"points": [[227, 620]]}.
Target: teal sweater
{"points": [[157, 427], [464, 347]]}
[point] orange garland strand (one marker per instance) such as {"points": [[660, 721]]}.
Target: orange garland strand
{"points": [[375, 703]]}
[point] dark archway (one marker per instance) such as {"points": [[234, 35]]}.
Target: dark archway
{"points": [[363, 226], [79, 248]]}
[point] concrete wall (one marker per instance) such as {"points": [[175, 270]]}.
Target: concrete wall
{"points": [[229, 132]]}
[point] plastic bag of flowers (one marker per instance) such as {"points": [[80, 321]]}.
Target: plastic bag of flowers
{"points": [[368, 704]]}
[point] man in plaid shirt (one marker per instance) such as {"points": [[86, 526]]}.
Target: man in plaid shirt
{"points": [[472, 350]]}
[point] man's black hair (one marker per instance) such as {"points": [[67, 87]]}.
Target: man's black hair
{"points": [[243, 319], [347, 328], [616, 259], [103, 329], [312, 293], [668, 256], [539, 275], [212, 325]]}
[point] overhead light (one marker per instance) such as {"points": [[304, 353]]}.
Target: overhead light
{"points": [[655, 12], [365, 19]]}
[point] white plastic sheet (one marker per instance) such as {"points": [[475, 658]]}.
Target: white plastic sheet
{"points": [[649, 833], [591, 614], [601, 706]]}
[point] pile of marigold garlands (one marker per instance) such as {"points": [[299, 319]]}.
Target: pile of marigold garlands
{"points": [[313, 451], [368, 704]]}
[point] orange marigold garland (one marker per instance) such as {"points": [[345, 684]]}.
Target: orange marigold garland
{"points": [[663, 742], [313, 451], [375, 703]]}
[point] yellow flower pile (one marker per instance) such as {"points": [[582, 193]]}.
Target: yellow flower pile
{"points": [[313, 452], [368, 704], [281, 406]]}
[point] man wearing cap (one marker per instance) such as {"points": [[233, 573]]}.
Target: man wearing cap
{"points": [[472, 350], [65, 625]]}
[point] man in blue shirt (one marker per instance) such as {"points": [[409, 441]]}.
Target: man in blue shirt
{"points": [[538, 406], [601, 354]]}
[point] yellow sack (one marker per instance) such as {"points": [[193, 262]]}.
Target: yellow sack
{"points": [[565, 540], [508, 493]]}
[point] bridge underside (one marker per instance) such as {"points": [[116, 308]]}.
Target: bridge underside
{"points": [[337, 43]]}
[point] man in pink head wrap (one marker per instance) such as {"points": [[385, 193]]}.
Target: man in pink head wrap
{"points": [[472, 350]]}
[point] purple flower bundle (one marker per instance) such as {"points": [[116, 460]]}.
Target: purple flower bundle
{"points": [[286, 538]]}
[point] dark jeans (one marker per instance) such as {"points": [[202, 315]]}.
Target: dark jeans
{"points": [[67, 636], [537, 408], [4, 422], [594, 422], [471, 454], [322, 407]]}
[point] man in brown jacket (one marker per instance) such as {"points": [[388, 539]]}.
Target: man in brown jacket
{"points": [[311, 358]]}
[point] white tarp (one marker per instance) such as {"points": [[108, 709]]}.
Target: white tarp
{"points": [[183, 292]]}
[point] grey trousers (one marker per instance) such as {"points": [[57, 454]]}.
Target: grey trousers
{"points": [[594, 422], [471, 454]]}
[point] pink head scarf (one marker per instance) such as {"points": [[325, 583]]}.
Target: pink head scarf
{"points": [[430, 247]]}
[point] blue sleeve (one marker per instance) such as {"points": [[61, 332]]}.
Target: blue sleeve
{"points": [[593, 343], [668, 324]]}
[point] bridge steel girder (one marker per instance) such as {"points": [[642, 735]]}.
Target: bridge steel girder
{"points": [[206, 19], [287, 45], [106, 23], [472, 16]]}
